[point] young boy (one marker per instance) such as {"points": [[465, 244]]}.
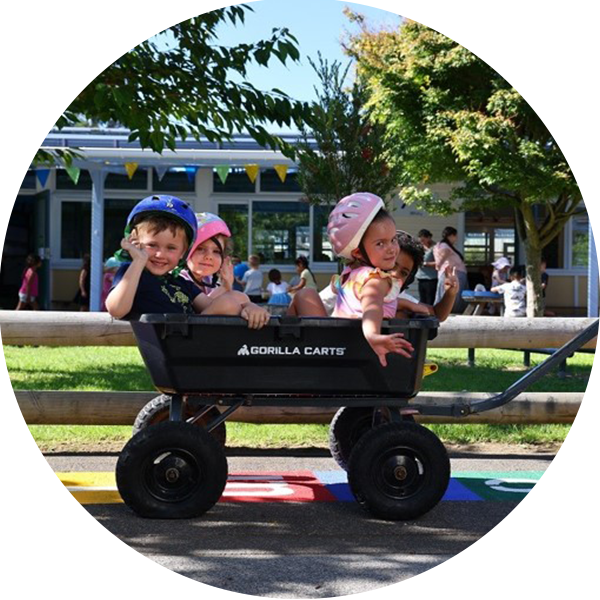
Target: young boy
{"points": [[515, 294], [158, 234]]}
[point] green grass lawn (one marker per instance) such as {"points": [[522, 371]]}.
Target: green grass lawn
{"points": [[107, 368]]}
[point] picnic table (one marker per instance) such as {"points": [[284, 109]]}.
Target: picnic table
{"points": [[477, 302]]}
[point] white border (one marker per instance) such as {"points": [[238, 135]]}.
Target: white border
{"points": [[547, 51]]}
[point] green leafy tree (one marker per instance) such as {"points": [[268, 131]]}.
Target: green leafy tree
{"points": [[341, 150], [452, 118], [188, 88]]}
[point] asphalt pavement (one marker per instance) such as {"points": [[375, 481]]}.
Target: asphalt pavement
{"points": [[316, 549]]}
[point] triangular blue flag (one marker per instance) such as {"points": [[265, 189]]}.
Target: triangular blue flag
{"points": [[191, 173], [42, 175]]}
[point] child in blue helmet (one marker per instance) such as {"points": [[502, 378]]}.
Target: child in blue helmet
{"points": [[158, 234]]}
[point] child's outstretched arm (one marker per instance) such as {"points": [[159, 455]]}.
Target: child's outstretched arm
{"points": [[371, 299], [120, 300]]}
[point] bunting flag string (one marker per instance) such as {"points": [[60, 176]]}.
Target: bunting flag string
{"points": [[222, 172], [73, 173], [281, 171], [131, 168], [42, 175], [252, 172], [191, 173], [160, 172]]}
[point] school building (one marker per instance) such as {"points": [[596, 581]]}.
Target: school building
{"points": [[62, 214]]}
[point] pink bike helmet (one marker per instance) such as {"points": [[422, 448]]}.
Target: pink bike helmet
{"points": [[209, 226], [349, 220]]}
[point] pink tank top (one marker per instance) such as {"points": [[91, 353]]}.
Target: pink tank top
{"points": [[349, 287], [32, 277]]}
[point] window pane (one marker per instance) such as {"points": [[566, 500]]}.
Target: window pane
{"points": [[270, 181], [121, 181], [580, 230], [116, 212], [29, 182], [323, 252], [236, 217], [174, 180], [280, 231], [237, 182], [76, 223]]}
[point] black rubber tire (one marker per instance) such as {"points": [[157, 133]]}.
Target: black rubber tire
{"points": [[398, 471], [171, 470], [347, 426], [157, 411]]}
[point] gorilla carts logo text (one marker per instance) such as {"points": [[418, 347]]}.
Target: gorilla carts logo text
{"points": [[246, 350]]}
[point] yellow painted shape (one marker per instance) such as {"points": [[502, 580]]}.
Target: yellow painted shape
{"points": [[106, 493]]}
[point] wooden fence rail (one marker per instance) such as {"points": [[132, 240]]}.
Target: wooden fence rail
{"points": [[121, 408], [48, 328]]}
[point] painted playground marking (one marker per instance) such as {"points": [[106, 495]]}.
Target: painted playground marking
{"points": [[313, 486]]}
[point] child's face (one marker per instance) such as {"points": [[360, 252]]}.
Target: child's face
{"points": [[380, 244], [403, 267], [164, 249], [206, 259]]}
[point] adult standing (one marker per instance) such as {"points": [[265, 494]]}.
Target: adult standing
{"points": [[427, 275], [446, 255]]}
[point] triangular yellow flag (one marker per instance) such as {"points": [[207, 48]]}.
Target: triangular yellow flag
{"points": [[131, 168], [281, 171], [252, 172]]}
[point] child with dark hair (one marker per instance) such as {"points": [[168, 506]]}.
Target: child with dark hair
{"points": [[278, 289], [514, 294], [28, 291], [307, 279], [410, 258]]}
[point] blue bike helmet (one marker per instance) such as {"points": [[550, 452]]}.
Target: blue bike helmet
{"points": [[161, 205]]}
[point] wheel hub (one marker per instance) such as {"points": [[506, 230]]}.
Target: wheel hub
{"points": [[172, 475]]}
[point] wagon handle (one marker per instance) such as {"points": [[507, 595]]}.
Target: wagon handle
{"points": [[537, 372], [464, 409]]}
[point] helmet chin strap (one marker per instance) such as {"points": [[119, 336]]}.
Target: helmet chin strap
{"points": [[364, 257]]}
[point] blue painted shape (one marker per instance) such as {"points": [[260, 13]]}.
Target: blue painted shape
{"points": [[457, 492], [336, 483]]}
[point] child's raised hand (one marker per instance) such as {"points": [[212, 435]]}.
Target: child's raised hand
{"points": [[395, 342], [226, 274], [451, 280], [256, 316], [135, 249]]}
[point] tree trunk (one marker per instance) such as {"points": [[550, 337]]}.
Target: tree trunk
{"points": [[535, 300], [528, 231]]}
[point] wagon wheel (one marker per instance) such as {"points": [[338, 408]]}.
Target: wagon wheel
{"points": [[172, 470], [348, 425], [398, 471], [157, 411]]}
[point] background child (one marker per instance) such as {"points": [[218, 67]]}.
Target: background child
{"points": [[306, 278], [82, 297], [514, 293], [28, 292], [111, 266], [253, 279], [278, 289], [361, 231]]}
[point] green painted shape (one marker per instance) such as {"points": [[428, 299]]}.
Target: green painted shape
{"points": [[497, 486]]}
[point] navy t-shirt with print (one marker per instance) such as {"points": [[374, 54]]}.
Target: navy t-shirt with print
{"points": [[159, 295]]}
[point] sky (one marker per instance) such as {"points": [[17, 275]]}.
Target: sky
{"points": [[318, 25]]}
